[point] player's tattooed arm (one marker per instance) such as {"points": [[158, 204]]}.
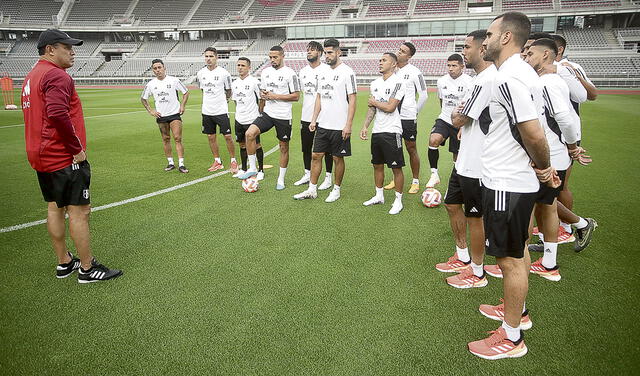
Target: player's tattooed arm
{"points": [[371, 113]]}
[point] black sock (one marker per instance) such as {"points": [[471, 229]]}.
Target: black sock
{"points": [[260, 157], [243, 158], [328, 162], [434, 155], [306, 158]]}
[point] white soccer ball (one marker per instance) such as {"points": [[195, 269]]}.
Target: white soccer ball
{"points": [[250, 184], [431, 197]]}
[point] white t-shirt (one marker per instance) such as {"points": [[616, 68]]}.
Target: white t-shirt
{"points": [[451, 92], [165, 94], [335, 85], [246, 94], [413, 84], [383, 91], [214, 84], [476, 106], [309, 81], [516, 97], [279, 81]]}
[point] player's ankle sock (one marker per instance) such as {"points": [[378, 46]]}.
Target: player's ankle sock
{"points": [[478, 270], [550, 254], [434, 170], [180, 162], [170, 160], [218, 160], [582, 223], [307, 172], [243, 158], [463, 254], [415, 181], [398, 196], [524, 307], [433, 154], [566, 227], [233, 159], [283, 171], [512, 333], [328, 175], [313, 187], [336, 187], [380, 192], [252, 162], [260, 155]]}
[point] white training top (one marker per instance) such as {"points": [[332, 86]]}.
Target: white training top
{"points": [[279, 81], [335, 85], [516, 97], [413, 84], [309, 81], [213, 84], [476, 106], [451, 92], [383, 91], [246, 94], [165, 94]]}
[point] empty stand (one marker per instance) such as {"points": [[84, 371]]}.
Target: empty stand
{"points": [[192, 47], [585, 38], [316, 9], [589, 3], [213, 12], [156, 48], [91, 12], [437, 6], [386, 8], [30, 12], [162, 12], [270, 10], [526, 4]]}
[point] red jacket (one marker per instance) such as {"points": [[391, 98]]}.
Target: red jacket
{"points": [[53, 121]]}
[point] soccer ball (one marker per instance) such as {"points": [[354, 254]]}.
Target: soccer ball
{"points": [[250, 184], [431, 197]]}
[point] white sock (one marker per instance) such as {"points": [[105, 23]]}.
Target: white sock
{"points": [[253, 160], [234, 160], [398, 196], [328, 175], [180, 161], [566, 226], [307, 172], [478, 270], [415, 181], [170, 159], [218, 160], [540, 235], [434, 170], [512, 333], [550, 253], [463, 254], [582, 223], [313, 187], [379, 192], [336, 187], [524, 307], [283, 171]]}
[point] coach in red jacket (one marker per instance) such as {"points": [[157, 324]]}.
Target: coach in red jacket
{"points": [[56, 144]]}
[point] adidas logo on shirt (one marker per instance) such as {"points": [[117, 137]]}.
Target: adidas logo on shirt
{"points": [[473, 210]]}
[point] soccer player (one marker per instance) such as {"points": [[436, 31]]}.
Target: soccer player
{"points": [[309, 76], [332, 119], [279, 87], [56, 146], [515, 141], [452, 87], [164, 89], [413, 85], [386, 138], [215, 83], [246, 94], [532, 37], [473, 119]]}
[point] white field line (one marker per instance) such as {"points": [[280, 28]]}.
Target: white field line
{"points": [[134, 199]]}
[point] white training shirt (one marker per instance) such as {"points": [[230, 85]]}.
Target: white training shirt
{"points": [[476, 106], [246, 94], [413, 84], [516, 97], [279, 81], [214, 84], [383, 91], [451, 92], [335, 85], [165, 94], [309, 81]]}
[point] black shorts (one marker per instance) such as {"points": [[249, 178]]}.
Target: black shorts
{"points": [[506, 221], [447, 131], [330, 141], [283, 126], [409, 130], [241, 129], [387, 148], [546, 194], [69, 186], [306, 136], [209, 123], [467, 191], [168, 119]]}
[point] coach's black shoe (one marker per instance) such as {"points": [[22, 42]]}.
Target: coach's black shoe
{"points": [[65, 270], [97, 273], [538, 247], [183, 169], [169, 167], [583, 236]]}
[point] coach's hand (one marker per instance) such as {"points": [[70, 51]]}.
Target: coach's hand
{"points": [[346, 132], [154, 113], [80, 157], [312, 126], [363, 133]]}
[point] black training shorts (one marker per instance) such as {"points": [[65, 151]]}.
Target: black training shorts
{"points": [[68, 186]]}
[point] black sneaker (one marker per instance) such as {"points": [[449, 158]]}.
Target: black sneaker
{"points": [[583, 236], [538, 247], [183, 169], [97, 273], [65, 270], [169, 167]]}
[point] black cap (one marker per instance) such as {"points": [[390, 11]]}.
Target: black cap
{"points": [[52, 36]]}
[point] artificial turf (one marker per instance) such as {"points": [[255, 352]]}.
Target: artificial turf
{"points": [[219, 281]]}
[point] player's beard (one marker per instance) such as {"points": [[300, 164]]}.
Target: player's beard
{"points": [[312, 59]]}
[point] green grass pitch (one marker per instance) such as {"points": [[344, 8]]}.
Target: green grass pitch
{"points": [[219, 281]]}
